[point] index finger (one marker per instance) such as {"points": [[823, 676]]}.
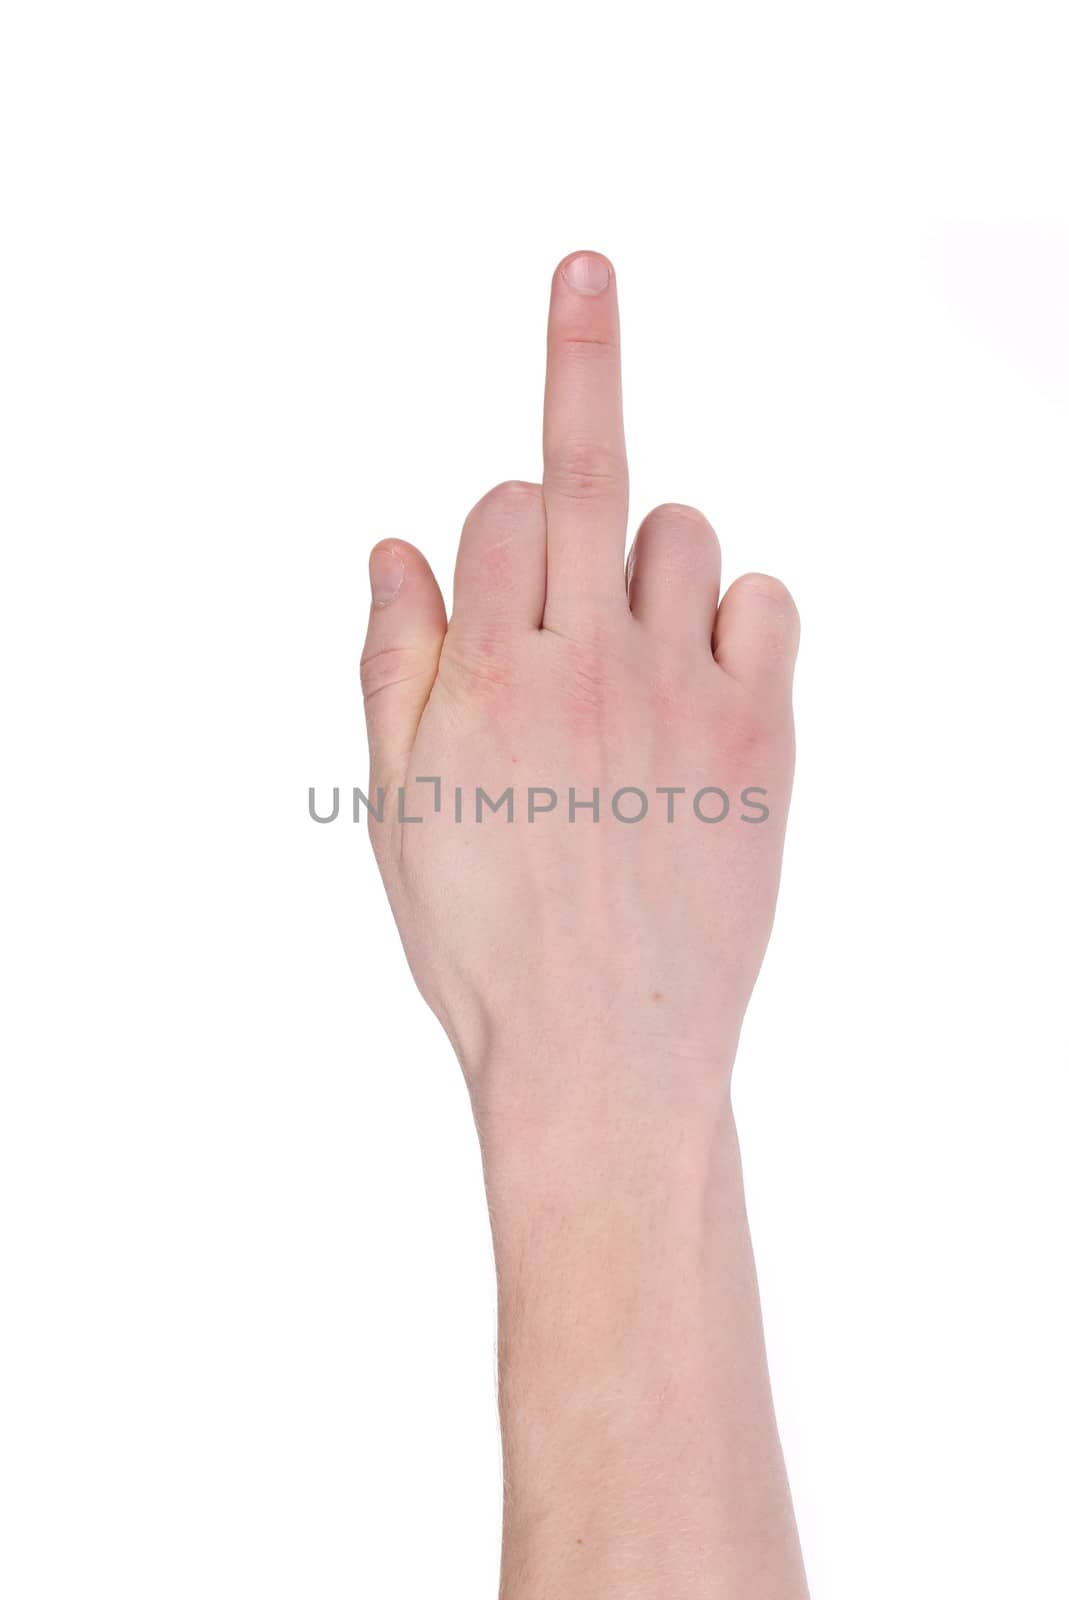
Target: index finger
{"points": [[585, 462]]}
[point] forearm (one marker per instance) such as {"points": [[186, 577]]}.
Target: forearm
{"points": [[641, 1454]]}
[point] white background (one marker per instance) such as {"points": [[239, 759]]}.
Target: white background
{"points": [[275, 280]]}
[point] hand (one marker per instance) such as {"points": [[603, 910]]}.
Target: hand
{"points": [[592, 973], [548, 947]]}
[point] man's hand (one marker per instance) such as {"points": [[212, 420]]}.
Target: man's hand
{"points": [[590, 942], [543, 939]]}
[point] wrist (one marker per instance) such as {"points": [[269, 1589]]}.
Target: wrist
{"points": [[602, 1245], [538, 1093]]}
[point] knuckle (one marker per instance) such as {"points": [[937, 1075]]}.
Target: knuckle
{"points": [[583, 470], [747, 737], [478, 661], [674, 689], [683, 529], [586, 680], [388, 667], [510, 497], [590, 347], [770, 592], [673, 511]]}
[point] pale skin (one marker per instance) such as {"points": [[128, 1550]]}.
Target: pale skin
{"points": [[593, 977]]}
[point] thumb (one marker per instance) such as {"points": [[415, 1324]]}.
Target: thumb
{"points": [[400, 659]]}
